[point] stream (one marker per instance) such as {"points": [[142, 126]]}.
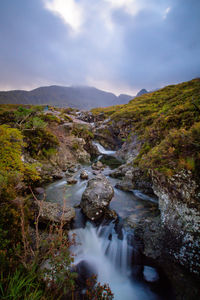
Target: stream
{"points": [[109, 249]]}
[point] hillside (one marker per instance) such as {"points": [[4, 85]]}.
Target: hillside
{"points": [[82, 97], [167, 122]]}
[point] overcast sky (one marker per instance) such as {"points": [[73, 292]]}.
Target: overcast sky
{"points": [[116, 45]]}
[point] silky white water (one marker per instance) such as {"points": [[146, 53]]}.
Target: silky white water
{"points": [[110, 259], [102, 150]]}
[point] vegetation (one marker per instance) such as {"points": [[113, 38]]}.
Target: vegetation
{"points": [[30, 267], [82, 131], [167, 124]]}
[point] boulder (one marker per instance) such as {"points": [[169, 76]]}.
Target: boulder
{"points": [[71, 181], [54, 212], [98, 166], [96, 197], [83, 175]]}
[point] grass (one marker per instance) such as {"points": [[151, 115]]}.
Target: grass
{"points": [[20, 286], [164, 121]]}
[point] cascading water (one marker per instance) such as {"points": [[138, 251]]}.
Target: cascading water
{"points": [[110, 258], [106, 250], [102, 150]]}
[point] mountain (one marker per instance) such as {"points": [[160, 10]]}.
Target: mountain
{"points": [[123, 98], [81, 97], [141, 92]]}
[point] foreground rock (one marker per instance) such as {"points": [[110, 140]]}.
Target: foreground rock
{"points": [[54, 213], [96, 197]]}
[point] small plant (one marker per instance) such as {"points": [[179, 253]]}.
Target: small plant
{"points": [[96, 291]]}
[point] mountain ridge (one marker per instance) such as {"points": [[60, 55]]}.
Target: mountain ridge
{"points": [[81, 97]]}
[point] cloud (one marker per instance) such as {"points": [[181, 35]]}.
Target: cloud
{"points": [[130, 6], [122, 45], [70, 11]]}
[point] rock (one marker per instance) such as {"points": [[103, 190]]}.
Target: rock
{"points": [[84, 175], [73, 168], [82, 156], [130, 149], [133, 178], [96, 172], [96, 197], [98, 166], [126, 184], [151, 234], [111, 214], [58, 175], [116, 173], [179, 204], [53, 212], [71, 181], [85, 271]]}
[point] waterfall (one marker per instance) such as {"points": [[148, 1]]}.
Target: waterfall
{"points": [[109, 257], [102, 150]]}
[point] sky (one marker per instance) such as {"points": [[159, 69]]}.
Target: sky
{"points": [[120, 46]]}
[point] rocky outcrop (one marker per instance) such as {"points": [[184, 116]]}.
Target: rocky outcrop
{"points": [[130, 149], [132, 179], [96, 197], [179, 204], [53, 213], [79, 152], [107, 135]]}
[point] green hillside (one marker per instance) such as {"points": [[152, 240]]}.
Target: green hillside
{"points": [[168, 124]]}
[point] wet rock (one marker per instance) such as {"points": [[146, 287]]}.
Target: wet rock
{"points": [[54, 212], [96, 172], [71, 181], [85, 271], [74, 168], [58, 175], [130, 149], [96, 197], [111, 214], [116, 173], [151, 234], [98, 166], [133, 178], [84, 175]]}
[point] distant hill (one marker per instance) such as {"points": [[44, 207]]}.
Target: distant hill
{"points": [[142, 92], [123, 98], [81, 97]]}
